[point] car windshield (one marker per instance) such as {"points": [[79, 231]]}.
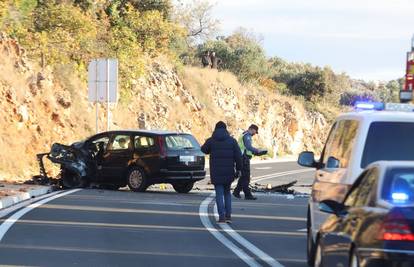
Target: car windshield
{"points": [[388, 141], [398, 186], [182, 141]]}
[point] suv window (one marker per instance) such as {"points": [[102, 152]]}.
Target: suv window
{"points": [[388, 141], [121, 142], [142, 142], [340, 143], [183, 141]]}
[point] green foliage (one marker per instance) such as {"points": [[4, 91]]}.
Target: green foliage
{"points": [[72, 32], [241, 53]]}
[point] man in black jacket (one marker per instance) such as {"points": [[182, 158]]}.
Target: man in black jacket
{"points": [[225, 166]]}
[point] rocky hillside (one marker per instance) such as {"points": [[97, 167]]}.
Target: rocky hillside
{"points": [[40, 107]]}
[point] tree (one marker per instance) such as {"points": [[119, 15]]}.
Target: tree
{"points": [[196, 17]]}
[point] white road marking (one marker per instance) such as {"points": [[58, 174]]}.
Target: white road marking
{"points": [[245, 243], [4, 212], [302, 230], [263, 168], [203, 212], [5, 226]]}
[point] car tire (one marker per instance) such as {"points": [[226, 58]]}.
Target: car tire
{"points": [[137, 180], [310, 245], [318, 255], [354, 260], [72, 180], [183, 188]]}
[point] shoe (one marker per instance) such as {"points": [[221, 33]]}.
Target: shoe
{"points": [[250, 198], [236, 195], [221, 221], [228, 220]]}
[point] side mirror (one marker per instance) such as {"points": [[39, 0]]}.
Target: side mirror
{"points": [[307, 159], [332, 163], [332, 207]]}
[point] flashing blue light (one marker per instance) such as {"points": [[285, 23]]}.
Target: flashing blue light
{"points": [[369, 105], [399, 197]]}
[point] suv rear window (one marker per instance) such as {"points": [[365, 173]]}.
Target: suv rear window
{"points": [[183, 141], [398, 187], [388, 141]]}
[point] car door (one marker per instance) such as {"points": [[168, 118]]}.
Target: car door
{"points": [[146, 153], [97, 146], [345, 229], [329, 179], [116, 158]]}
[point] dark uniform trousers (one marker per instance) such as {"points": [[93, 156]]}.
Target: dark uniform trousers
{"points": [[244, 180]]}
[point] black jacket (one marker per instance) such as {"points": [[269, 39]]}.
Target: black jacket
{"points": [[225, 156]]}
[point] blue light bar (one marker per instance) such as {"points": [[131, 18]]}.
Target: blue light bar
{"points": [[399, 197], [361, 105]]}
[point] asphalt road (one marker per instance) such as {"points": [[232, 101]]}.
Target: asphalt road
{"points": [[160, 228]]}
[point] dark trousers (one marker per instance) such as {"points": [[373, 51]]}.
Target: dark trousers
{"points": [[244, 180]]}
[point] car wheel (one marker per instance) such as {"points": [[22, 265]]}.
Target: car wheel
{"points": [[310, 245], [183, 187], [72, 180], [354, 259], [137, 180], [318, 256]]}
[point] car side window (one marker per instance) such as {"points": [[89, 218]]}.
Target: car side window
{"points": [[339, 146], [328, 145], [142, 142], [121, 142], [101, 141], [367, 188], [354, 191]]}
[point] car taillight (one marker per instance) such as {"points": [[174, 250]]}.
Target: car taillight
{"points": [[395, 227], [163, 153]]}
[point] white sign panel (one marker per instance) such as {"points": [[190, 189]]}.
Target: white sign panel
{"points": [[103, 80]]}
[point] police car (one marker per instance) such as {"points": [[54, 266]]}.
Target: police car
{"points": [[373, 132]]}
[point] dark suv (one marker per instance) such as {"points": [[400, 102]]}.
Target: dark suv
{"points": [[134, 158]]}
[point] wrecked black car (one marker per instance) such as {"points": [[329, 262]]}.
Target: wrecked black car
{"points": [[131, 157]]}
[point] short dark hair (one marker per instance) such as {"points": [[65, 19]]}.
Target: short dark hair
{"points": [[254, 127], [221, 125]]}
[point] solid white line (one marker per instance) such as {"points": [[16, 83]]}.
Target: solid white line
{"points": [[203, 212], [245, 243], [263, 168], [4, 212], [5, 226]]}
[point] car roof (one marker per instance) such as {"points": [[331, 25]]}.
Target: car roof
{"points": [[384, 115], [129, 131], [385, 164]]}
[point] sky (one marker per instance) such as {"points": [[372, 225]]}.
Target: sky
{"points": [[366, 39]]}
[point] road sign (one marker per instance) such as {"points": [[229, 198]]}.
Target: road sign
{"points": [[103, 80]]}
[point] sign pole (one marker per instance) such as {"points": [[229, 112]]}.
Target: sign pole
{"points": [[96, 97], [107, 94]]}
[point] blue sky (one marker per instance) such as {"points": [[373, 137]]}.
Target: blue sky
{"points": [[364, 38]]}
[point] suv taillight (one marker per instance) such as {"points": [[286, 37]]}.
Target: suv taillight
{"points": [[395, 227], [160, 140]]}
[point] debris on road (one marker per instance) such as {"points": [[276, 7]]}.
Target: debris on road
{"points": [[283, 188]]}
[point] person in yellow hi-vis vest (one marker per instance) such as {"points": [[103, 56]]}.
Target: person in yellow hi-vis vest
{"points": [[247, 149]]}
